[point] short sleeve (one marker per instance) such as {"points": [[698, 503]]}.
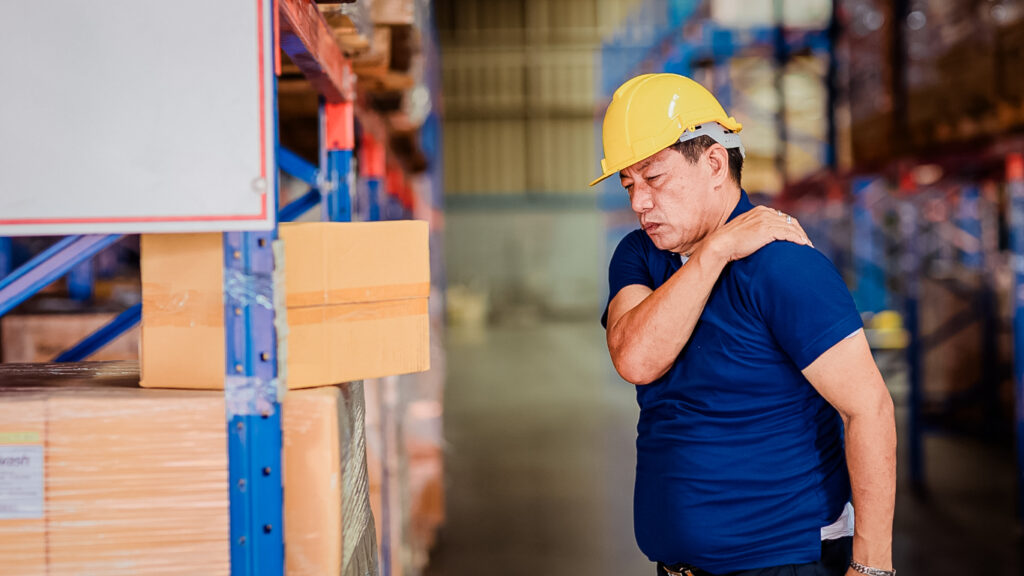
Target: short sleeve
{"points": [[803, 300], [628, 267]]}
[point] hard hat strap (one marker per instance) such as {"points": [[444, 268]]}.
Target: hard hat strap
{"points": [[718, 133]]}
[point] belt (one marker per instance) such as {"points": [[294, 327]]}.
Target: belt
{"points": [[682, 570]]}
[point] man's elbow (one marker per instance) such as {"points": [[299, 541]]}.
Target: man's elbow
{"points": [[634, 371], [629, 360], [884, 409]]}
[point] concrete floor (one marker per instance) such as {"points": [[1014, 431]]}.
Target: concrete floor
{"points": [[540, 467]]}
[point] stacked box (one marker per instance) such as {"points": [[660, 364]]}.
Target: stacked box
{"points": [[42, 337], [951, 72], [869, 78], [393, 12], [355, 304], [125, 482], [113, 479], [756, 104], [1009, 80], [99, 475], [328, 525]]}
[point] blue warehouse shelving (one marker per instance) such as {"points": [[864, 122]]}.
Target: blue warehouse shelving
{"points": [[251, 364], [886, 233]]}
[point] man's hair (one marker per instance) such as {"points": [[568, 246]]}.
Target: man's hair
{"points": [[692, 150]]}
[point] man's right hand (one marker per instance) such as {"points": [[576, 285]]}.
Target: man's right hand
{"points": [[751, 231]]}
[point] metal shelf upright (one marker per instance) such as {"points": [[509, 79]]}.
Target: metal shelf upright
{"points": [[1015, 182]]}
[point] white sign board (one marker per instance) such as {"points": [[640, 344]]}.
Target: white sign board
{"points": [[21, 482], [128, 116]]}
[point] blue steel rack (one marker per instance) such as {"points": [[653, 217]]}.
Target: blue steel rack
{"points": [[1015, 182], [254, 425], [678, 36], [945, 233]]}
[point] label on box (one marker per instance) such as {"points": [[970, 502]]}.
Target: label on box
{"points": [[21, 481]]}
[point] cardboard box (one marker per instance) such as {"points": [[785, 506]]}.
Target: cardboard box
{"points": [[136, 481], [393, 12], [314, 458], [42, 337], [355, 295], [376, 60], [329, 263]]}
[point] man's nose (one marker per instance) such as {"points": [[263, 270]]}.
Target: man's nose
{"points": [[641, 200]]}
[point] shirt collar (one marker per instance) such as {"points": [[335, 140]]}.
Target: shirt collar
{"points": [[742, 206]]}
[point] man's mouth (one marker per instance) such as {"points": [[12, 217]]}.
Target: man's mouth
{"points": [[651, 227]]}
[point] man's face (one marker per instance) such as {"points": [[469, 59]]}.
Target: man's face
{"points": [[672, 198]]}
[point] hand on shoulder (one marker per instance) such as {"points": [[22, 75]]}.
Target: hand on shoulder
{"points": [[751, 231]]}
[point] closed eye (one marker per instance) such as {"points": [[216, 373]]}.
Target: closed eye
{"points": [[653, 178]]}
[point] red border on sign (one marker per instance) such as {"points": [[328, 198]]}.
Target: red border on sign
{"points": [[204, 218]]}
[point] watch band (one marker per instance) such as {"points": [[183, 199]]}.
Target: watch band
{"points": [[857, 566]]}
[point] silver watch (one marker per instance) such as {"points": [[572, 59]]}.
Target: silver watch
{"points": [[857, 566]]}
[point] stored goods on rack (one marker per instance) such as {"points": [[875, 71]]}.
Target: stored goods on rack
{"points": [[43, 337], [100, 476], [354, 304]]}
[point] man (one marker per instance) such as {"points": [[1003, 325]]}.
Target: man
{"points": [[763, 418]]}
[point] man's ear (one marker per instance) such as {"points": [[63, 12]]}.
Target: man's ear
{"points": [[718, 163]]}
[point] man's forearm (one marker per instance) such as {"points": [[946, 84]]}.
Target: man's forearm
{"points": [[871, 457], [646, 340]]}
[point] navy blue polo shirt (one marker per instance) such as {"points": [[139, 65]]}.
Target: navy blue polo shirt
{"points": [[740, 461]]}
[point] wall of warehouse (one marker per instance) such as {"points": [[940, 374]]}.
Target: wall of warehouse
{"points": [[536, 261], [520, 83]]}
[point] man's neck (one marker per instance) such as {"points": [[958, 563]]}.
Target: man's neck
{"points": [[730, 199]]}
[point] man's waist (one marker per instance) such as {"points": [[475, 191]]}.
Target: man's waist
{"points": [[768, 530]]}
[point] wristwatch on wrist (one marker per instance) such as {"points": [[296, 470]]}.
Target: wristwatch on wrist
{"points": [[858, 567]]}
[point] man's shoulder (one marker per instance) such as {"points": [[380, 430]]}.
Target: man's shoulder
{"points": [[787, 262], [790, 253]]}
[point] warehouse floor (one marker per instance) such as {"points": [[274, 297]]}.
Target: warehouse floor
{"points": [[540, 469]]}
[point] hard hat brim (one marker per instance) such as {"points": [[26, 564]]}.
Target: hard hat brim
{"points": [[725, 128]]}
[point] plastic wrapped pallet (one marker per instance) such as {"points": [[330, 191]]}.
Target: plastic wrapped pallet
{"points": [[100, 476], [324, 427]]}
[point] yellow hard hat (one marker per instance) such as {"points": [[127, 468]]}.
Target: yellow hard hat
{"points": [[654, 111]]}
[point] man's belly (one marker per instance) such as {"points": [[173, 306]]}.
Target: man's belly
{"points": [[722, 495]]}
